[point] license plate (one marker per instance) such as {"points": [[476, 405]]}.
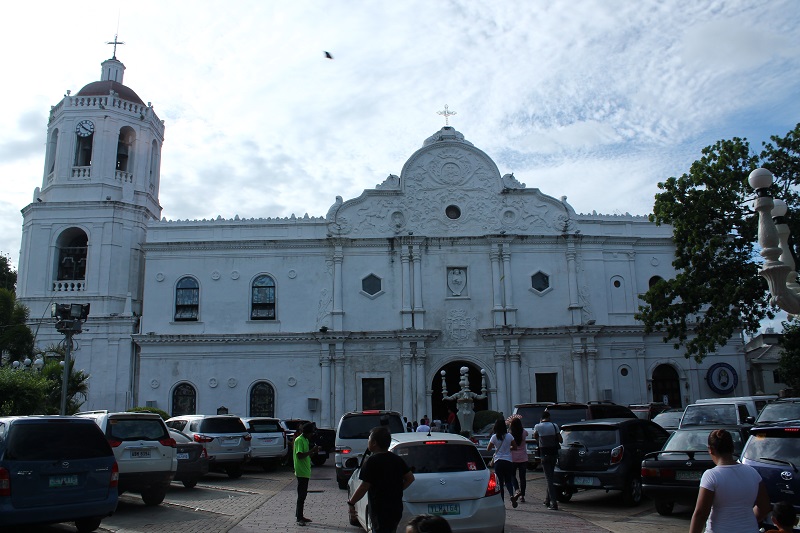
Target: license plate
{"points": [[688, 475], [584, 481], [142, 454], [183, 456], [63, 481], [230, 442], [268, 440], [444, 508]]}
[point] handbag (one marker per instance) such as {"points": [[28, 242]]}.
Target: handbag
{"points": [[491, 461]]}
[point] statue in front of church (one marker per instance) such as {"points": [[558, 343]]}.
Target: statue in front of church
{"points": [[465, 398]]}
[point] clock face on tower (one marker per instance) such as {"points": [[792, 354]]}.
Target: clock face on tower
{"points": [[84, 128]]}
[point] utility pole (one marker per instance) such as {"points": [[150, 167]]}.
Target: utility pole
{"points": [[69, 318]]}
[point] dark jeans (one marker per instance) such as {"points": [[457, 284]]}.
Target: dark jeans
{"points": [[302, 490], [520, 469], [379, 526], [505, 475], [549, 465]]}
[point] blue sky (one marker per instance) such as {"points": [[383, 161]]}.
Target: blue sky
{"points": [[594, 100]]}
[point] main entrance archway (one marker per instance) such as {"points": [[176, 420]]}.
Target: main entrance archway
{"points": [[666, 384], [439, 407]]}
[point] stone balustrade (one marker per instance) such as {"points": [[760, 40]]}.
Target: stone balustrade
{"points": [[69, 285]]}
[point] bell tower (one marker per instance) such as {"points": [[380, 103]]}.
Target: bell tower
{"points": [[83, 232]]}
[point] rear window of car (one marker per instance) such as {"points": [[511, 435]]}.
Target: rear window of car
{"points": [[703, 415], [531, 415], [591, 437], [612, 411], [433, 457], [359, 426], [264, 426], [56, 441], [668, 419], [566, 415], [697, 441], [222, 425], [780, 445], [136, 429], [180, 436], [779, 412]]}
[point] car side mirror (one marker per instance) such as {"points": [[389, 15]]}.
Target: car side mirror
{"points": [[749, 420]]}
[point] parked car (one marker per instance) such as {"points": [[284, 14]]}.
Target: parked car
{"points": [[669, 420], [325, 438], [564, 413], [774, 451], [672, 475], [145, 452], [450, 479], [606, 454], [716, 413], [648, 411], [481, 441], [781, 410], [531, 414], [269, 445], [55, 469], [192, 459], [754, 404], [352, 434], [225, 438]]}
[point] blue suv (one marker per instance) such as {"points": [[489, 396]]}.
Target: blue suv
{"points": [[55, 469], [774, 450]]}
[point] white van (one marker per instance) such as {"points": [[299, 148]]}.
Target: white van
{"points": [[716, 413], [754, 403]]}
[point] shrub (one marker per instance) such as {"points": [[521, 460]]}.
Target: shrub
{"points": [[483, 418], [163, 414]]}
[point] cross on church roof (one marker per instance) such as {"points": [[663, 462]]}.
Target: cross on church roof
{"points": [[447, 114], [115, 42]]}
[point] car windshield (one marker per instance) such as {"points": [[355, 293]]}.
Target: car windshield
{"points": [[781, 446], [179, 437], [136, 429], [591, 437], [433, 457], [359, 426], [779, 412], [264, 426], [708, 414], [531, 415], [223, 425], [696, 440], [566, 415], [56, 441]]}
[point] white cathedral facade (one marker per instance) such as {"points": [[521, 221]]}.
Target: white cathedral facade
{"points": [[447, 264]]}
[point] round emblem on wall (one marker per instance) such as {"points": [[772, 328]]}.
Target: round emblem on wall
{"points": [[212, 382], [235, 274], [292, 382], [154, 384], [292, 274], [722, 378], [160, 277], [232, 382], [215, 275], [654, 261]]}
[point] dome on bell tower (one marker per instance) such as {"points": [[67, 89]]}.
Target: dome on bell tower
{"points": [[111, 80]]}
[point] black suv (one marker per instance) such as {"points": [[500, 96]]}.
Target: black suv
{"points": [[774, 450], [779, 411], [564, 413], [606, 454]]}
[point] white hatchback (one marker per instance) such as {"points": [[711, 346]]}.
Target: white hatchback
{"points": [[450, 479]]}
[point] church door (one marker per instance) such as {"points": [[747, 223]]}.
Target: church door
{"points": [[439, 407], [666, 384]]}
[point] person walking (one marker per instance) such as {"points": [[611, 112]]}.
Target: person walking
{"points": [[503, 465], [549, 438], [423, 427], [302, 469], [519, 456], [732, 497], [384, 476]]}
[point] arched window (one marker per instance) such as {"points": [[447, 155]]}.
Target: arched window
{"points": [[125, 149], [187, 299], [72, 248], [263, 299], [83, 146], [52, 147], [262, 399], [184, 400], [154, 163]]}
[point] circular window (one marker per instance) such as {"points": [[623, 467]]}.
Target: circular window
{"points": [[617, 284], [623, 371], [452, 212]]}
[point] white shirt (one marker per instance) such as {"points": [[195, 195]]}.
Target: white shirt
{"points": [[422, 428], [735, 490], [503, 452]]}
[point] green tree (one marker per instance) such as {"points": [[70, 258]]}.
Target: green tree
{"points": [[16, 338], [22, 392], [789, 365], [716, 290], [77, 384], [8, 276]]}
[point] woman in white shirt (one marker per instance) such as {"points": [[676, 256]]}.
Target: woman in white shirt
{"points": [[503, 465], [732, 498]]}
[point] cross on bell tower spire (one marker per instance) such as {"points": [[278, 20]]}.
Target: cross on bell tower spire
{"points": [[447, 114], [115, 42]]}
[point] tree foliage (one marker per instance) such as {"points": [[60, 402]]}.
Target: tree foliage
{"points": [[16, 337], [8, 276], [789, 365], [716, 290]]}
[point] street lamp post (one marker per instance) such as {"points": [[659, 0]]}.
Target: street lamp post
{"points": [[773, 238], [69, 318]]}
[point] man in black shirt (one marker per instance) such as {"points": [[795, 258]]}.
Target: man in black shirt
{"points": [[384, 476]]}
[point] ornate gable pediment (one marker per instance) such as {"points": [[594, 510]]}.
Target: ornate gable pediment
{"points": [[449, 188]]}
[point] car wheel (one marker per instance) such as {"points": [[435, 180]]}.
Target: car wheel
{"points": [[318, 461], [564, 495], [154, 495], [87, 525], [664, 508], [190, 484], [632, 495], [234, 471]]}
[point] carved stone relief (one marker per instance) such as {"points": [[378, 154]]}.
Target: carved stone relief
{"points": [[457, 282], [459, 328]]}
